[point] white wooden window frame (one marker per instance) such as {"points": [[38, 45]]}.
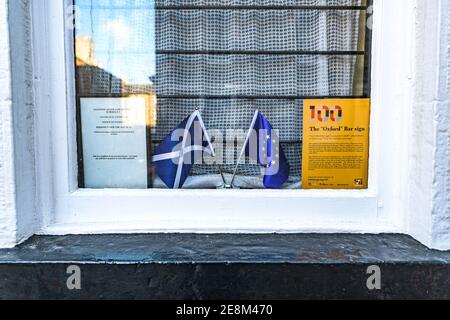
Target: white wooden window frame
{"points": [[65, 209]]}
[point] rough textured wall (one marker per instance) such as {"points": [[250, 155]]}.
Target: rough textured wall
{"points": [[7, 188], [20, 27], [446, 122], [17, 169], [441, 179], [422, 144], [429, 181]]}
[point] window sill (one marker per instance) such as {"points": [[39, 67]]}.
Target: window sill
{"points": [[189, 266]]}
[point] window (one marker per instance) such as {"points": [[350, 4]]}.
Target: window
{"points": [[73, 209], [165, 59]]}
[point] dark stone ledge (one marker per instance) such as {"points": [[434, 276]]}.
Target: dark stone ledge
{"points": [[187, 266]]}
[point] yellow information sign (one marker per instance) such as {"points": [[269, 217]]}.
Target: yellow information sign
{"points": [[336, 143]]}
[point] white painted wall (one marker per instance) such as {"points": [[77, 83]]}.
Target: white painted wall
{"points": [[7, 176], [426, 212], [20, 28], [17, 178], [441, 181]]}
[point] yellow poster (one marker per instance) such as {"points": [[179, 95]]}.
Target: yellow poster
{"points": [[336, 143]]}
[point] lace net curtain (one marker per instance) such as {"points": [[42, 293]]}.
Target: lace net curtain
{"points": [[228, 62]]}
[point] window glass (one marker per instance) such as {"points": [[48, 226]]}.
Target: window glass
{"points": [[150, 69]]}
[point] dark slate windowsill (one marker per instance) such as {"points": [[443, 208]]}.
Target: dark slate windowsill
{"points": [[192, 248], [187, 266]]}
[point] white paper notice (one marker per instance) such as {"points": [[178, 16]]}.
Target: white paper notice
{"points": [[114, 142]]}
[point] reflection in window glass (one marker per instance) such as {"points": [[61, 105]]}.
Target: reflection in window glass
{"points": [[144, 66]]}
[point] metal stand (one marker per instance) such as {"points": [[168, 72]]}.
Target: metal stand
{"points": [[224, 185]]}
